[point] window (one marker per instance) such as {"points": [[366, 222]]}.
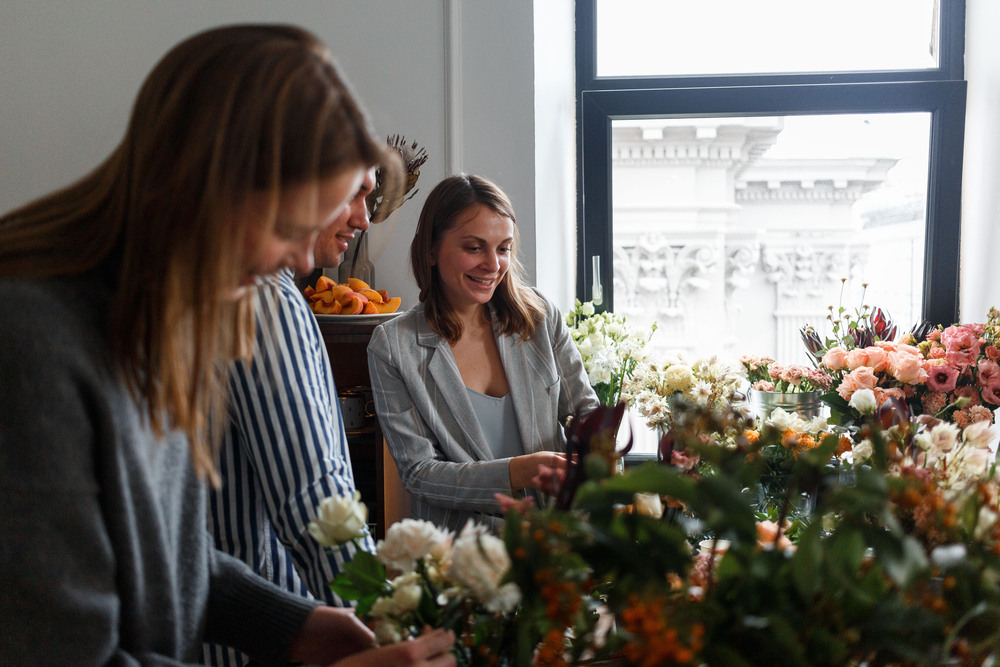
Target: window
{"points": [[932, 89], [736, 160]]}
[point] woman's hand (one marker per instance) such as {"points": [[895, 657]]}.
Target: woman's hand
{"points": [[330, 634], [430, 649], [537, 471]]}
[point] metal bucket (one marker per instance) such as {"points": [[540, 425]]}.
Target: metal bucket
{"points": [[806, 403]]}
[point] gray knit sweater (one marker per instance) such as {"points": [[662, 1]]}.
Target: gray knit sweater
{"points": [[104, 553]]}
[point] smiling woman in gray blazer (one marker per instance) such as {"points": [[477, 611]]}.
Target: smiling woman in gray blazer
{"points": [[474, 384]]}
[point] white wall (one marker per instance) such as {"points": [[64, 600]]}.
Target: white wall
{"points": [[454, 75], [980, 286]]}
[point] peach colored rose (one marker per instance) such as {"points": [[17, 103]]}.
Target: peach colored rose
{"points": [[887, 345], [882, 395], [937, 353], [864, 378], [857, 358], [992, 353], [907, 368], [878, 359], [835, 358], [847, 387]]}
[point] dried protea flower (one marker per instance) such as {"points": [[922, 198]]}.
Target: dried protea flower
{"points": [[413, 158]]}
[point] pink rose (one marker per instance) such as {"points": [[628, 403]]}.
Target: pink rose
{"points": [[992, 353], [937, 353], [907, 368], [941, 376], [887, 345], [835, 358], [882, 395]]}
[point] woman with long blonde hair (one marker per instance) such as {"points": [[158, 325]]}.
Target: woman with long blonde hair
{"points": [[125, 298]]}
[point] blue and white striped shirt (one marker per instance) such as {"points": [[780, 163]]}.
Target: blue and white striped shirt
{"points": [[284, 452]]}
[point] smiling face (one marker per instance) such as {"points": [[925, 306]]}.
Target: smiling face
{"points": [[473, 256], [332, 241], [303, 212]]}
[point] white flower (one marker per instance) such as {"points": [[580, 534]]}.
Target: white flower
{"points": [[781, 420], [944, 437], [648, 504], [408, 541], [817, 425], [507, 597], [384, 607], [862, 451], [587, 309], [387, 632], [984, 522], [863, 400], [678, 378], [948, 555], [978, 434], [340, 520], [407, 592], [479, 561]]}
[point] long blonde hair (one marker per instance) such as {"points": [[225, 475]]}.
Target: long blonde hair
{"points": [[516, 306], [226, 113]]}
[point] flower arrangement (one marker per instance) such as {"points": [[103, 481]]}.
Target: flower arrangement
{"points": [[897, 562], [424, 576], [610, 347], [953, 373], [656, 384], [765, 374]]}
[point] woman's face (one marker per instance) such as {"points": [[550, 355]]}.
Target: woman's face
{"points": [[303, 212], [473, 256]]}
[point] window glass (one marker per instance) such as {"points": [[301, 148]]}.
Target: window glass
{"points": [[706, 37], [732, 233]]}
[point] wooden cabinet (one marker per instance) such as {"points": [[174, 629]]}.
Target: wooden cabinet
{"points": [[374, 470]]}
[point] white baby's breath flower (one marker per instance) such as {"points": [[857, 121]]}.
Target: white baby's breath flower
{"points": [[340, 520], [648, 504], [863, 400], [408, 541]]}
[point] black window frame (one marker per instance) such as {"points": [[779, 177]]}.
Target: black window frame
{"points": [[940, 91]]}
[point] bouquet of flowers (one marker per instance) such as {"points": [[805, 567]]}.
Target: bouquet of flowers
{"points": [[424, 576], [610, 347], [656, 384], [765, 374]]}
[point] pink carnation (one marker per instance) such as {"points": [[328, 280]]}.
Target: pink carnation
{"points": [[980, 413], [961, 418], [941, 376], [763, 385], [934, 402]]}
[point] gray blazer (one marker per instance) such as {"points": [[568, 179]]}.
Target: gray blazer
{"points": [[429, 423]]}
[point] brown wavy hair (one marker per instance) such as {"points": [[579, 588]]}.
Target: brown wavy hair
{"points": [[516, 307], [229, 112]]}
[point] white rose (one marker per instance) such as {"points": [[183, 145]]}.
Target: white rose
{"points": [[384, 607], [408, 541], [407, 592], [780, 420], [817, 425], [479, 561], [863, 400], [587, 309], [340, 520], [649, 504], [862, 451], [387, 632]]}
